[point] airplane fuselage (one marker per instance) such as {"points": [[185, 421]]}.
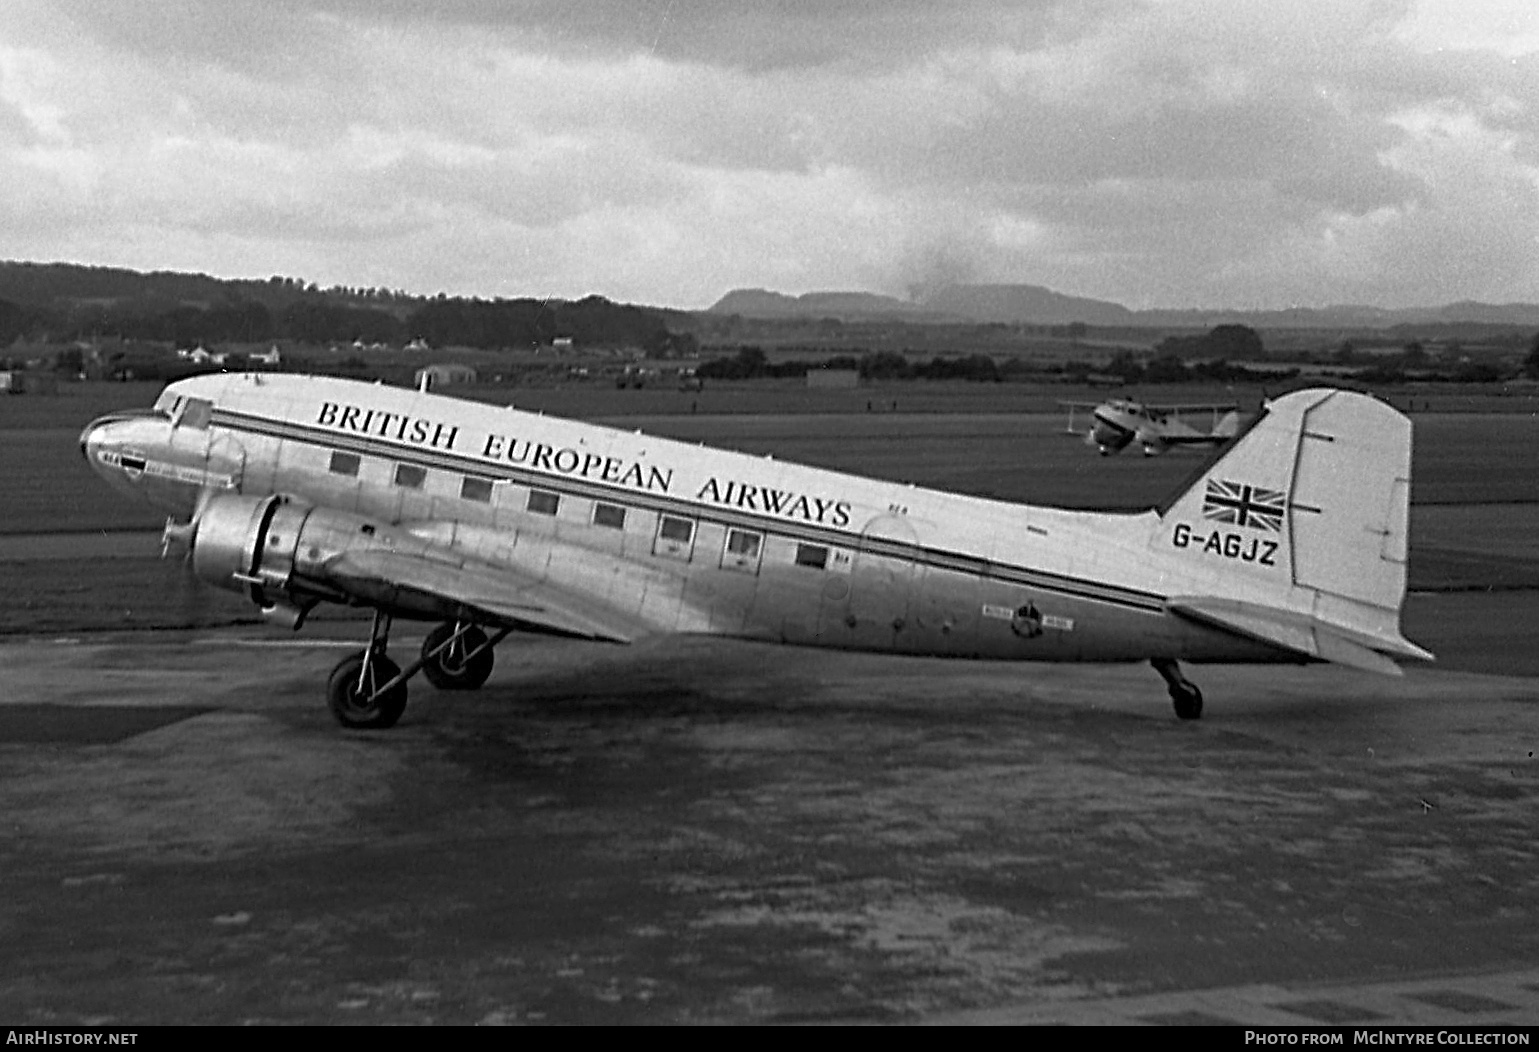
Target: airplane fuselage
{"points": [[670, 537]]}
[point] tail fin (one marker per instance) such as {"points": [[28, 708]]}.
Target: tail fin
{"points": [[1297, 534]]}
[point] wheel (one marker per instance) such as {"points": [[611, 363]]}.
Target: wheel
{"points": [[348, 702], [451, 670], [1188, 701]]}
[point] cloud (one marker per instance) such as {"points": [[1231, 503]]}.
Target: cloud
{"points": [[1150, 151]]}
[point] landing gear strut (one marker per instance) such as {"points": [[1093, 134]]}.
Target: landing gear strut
{"points": [[1183, 692]]}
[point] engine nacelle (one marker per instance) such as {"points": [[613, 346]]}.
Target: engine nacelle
{"points": [[247, 545], [1107, 438], [280, 553], [1152, 441]]}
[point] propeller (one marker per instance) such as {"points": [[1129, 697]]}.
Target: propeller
{"points": [[185, 534], [190, 600]]}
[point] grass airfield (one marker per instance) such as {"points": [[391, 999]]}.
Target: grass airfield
{"points": [[698, 831]]}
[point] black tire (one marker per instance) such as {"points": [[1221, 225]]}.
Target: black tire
{"points": [[1188, 701], [346, 699], [450, 670]]}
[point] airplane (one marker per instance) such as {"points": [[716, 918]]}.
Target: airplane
{"points": [[297, 490], [1118, 422]]}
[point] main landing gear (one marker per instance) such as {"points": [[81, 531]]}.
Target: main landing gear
{"points": [[458, 656], [1183, 692], [368, 691]]}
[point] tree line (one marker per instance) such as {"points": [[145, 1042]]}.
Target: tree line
{"points": [[488, 324], [1205, 358], [751, 363]]}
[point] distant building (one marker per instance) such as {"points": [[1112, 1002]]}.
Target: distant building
{"points": [[838, 378], [16, 382], [201, 355], [273, 357], [430, 376]]}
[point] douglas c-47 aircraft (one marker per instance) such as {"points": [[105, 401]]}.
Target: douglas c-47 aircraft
{"points": [[1291, 547]]}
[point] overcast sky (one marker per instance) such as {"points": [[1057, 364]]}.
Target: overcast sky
{"points": [[1234, 153]]}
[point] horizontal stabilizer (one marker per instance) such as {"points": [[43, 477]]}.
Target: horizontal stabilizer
{"points": [[1307, 636]]}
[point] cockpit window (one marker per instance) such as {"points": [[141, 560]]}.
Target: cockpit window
{"points": [[195, 413]]}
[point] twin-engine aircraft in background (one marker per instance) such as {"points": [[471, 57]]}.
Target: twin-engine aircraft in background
{"points": [[1290, 547], [1119, 422]]}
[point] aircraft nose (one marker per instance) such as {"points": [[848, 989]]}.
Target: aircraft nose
{"points": [[98, 435], [89, 438]]}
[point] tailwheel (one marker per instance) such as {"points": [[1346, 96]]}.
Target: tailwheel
{"points": [[353, 691], [1187, 700], [457, 656], [1184, 694]]}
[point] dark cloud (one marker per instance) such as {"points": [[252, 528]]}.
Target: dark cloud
{"points": [[744, 34], [1158, 152], [272, 39]]}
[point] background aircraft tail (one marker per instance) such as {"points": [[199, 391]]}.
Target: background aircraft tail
{"points": [[1297, 534]]}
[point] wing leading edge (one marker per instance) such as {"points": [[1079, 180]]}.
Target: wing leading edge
{"points": [[498, 591]]}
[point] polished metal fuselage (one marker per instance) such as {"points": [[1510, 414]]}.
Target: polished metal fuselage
{"points": [[671, 537]]}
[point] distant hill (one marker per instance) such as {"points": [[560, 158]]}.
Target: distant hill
{"points": [[67, 284], [846, 306], [1350, 316], [61, 302], [953, 303], [1018, 303], [1036, 305]]}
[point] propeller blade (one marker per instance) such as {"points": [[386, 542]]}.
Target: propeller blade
{"points": [[185, 534]]}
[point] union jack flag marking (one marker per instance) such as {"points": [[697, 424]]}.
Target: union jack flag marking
{"points": [[1245, 505]]}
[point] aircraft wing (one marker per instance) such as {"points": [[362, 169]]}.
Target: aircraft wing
{"points": [[1195, 407], [1174, 438], [1309, 637], [495, 590]]}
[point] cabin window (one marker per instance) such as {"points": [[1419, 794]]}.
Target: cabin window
{"points": [[611, 516], [675, 537], [813, 555], [677, 530], [410, 476], [742, 550], [542, 502], [345, 463], [476, 489]]}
